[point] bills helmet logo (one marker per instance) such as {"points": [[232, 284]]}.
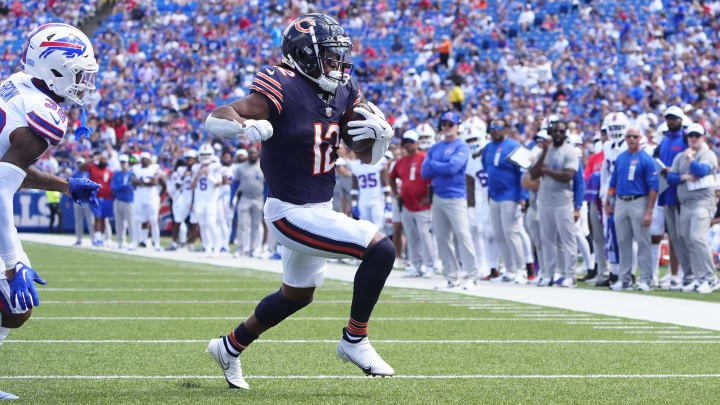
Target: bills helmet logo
{"points": [[71, 46]]}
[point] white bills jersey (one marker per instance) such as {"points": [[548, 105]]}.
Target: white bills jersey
{"points": [[369, 183], [476, 170], [611, 151], [208, 185], [24, 104]]}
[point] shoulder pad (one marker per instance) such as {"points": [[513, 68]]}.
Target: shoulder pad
{"points": [[268, 81], [48, 120]]}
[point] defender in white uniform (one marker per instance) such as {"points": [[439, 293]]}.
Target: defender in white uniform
{"points": [[58, 67], [206, 183]]}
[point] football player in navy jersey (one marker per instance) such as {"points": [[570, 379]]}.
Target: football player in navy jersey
{"points": [[295, 109]]}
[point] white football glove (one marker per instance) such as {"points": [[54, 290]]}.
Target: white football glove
{"points": [[373, 126], [258, 130]]}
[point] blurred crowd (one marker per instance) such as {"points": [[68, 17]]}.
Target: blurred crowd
{"points": [[166, 64]]}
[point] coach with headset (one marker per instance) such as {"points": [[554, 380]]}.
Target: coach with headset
{"points": [[445, 164]]}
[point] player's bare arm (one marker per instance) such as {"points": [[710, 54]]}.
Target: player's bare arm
{"points": [[563, 176]]}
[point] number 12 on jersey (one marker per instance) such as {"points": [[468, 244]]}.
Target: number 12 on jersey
{"points": [[324, 147]]}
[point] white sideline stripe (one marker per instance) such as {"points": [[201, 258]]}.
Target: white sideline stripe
{"points": [[392, 341], [636, 327], [665, 332], [358, 377]]}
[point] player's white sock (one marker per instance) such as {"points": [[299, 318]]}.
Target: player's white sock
{"points": [[3, 334], [655, 254], [98, 236]]}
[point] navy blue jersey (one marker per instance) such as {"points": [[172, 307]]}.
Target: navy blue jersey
{"points": [[298, 161]]}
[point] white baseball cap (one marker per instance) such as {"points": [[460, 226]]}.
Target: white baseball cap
{"points": [[241, 152], [675, 111], [696, 128], [124, 158], [190, 153], [145, 155], [410, 135], [80, 160]]}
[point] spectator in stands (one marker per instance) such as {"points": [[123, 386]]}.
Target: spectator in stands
{"points": [[445, 165], [444, 51], [123, 192]]}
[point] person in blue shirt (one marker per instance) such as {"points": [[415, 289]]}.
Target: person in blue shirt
{"points": [[445, 164], [507, 198], [632, 195], [82, 212], [673, 143], [123, 193]]}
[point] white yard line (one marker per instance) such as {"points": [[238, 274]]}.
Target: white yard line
{"points": [[636, 327], [381, 341], [358, 377], [230, 318], [608, 303]]}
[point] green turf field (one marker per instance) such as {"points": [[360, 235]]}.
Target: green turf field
{"points": [[143, 326]]}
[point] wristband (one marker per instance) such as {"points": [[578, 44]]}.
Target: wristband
{"points": [[386, 189], [354, 203], [354, 192]]}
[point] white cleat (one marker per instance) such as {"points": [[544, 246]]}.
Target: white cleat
{"points": [[365, 357], [7, 395], [230, 365]]}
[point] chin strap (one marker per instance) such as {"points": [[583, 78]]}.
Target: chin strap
{"points": [[82, 131]]}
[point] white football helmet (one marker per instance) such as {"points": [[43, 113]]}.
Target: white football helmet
{"points": [[61, 56], [617, 124], [426, 136], [473, 137], [206, 153]]}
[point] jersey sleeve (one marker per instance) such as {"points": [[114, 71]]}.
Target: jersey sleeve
{"points": [[267, 83], [49, 123]]}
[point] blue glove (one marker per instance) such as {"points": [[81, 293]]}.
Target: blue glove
{"points": [[356, 212], [22, 287], [388, 207], [84, 190]]}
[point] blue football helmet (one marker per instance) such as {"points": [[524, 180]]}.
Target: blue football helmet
{"points": [[316, 46]]}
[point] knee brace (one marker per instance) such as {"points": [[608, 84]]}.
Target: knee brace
{"points": [[275, 307]]}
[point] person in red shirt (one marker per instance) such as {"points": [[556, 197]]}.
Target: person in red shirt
{"points": [[414, 206], [99, 173]]}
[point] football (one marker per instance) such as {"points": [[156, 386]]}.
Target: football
{"points": [[363, 148]]}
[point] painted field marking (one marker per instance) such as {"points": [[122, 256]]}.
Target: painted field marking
{"points": [[636, 327], [666, 332], [230, 318], [111, 302], [357, 377], [389, 341]]}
